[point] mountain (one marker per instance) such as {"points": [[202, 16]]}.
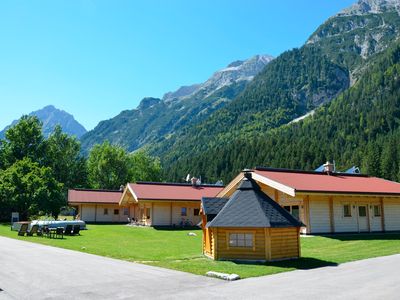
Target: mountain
{"points": [[356, 33], [156, 119], [50, 117], [341, 53], [360, 127]]}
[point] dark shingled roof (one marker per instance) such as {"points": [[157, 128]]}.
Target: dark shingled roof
{"points": [[212, 206], [250, 207]]}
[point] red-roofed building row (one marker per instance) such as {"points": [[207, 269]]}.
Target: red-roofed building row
{"points": [[147, 203], [329, 202], [326, 202]]}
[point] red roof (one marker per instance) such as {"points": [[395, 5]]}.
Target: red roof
{"points": [[334, 183], [93, 196], [173, 191]]}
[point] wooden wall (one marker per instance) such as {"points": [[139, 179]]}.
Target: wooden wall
{"points": [[285, 243], [223, 251], [268, 244]]}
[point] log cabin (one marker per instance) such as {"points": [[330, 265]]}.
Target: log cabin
{"points": [[330, 202], [248, 225]]}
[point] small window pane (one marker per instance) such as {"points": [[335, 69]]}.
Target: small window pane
{"points": [[347, 210], [377, 211], [106, 211], [196, 212], [183, 212], [126, 211], [295, 211], [362, 211], [116, 211], [148, 213]]}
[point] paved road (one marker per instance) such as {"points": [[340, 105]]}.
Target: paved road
{"points": [[33, 271]]}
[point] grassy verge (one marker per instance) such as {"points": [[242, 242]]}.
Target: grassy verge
{"points": [[174, 249]]}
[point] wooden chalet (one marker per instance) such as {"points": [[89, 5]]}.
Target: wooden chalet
{"points": [[248, 225]]}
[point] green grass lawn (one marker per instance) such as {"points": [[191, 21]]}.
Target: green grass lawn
{"points": [[174, 249]]}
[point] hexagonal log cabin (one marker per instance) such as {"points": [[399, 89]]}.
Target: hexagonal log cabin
{"points": [[249, 226]]}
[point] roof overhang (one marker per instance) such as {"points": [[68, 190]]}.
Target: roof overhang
{"points": [[265, 180], [128, 196], [274, 184], [350, 194]]}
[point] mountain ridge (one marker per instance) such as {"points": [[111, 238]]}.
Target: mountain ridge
{"points": [[156, 119]]}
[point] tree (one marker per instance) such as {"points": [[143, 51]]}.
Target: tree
{"points": [[25, 139], [64, 158], [144, 167], [30, 189], [108, 166]]}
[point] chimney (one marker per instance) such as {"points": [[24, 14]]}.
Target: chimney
{"points": [[247, 173], [328, 167], [121, 187], [194, 181]]}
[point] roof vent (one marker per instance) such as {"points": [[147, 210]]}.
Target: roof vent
{"points": [[195, 181], [121, 187], [329, 167]]}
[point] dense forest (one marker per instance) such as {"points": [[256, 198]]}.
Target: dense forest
{"points": [[360, 127]]}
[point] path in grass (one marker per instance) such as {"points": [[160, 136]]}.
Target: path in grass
{"points": [[175, 249]]}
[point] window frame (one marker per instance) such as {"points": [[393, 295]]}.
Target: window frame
{"points": [[117, 211], [184, 211], [105, 212], [344, 211], [377, 206], [228, 239], [198, 212], [148, 213], [126, 211]]}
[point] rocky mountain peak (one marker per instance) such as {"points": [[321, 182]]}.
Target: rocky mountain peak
{"points": [[363, 7], [51, 116], [148, 102], [236, 71]]}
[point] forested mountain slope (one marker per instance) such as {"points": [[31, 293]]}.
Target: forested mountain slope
{"points": [[360, 127]]}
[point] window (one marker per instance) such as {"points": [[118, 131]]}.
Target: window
{"points": [[196, 211], [362, 211], [241, 240], [377, 210], [148, 213], [126, 211], [183, 211], [294, 210], [106, 211], [347, 210], [116, 211]]}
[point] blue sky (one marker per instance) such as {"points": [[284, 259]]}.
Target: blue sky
{"points": [[97, 58]]}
